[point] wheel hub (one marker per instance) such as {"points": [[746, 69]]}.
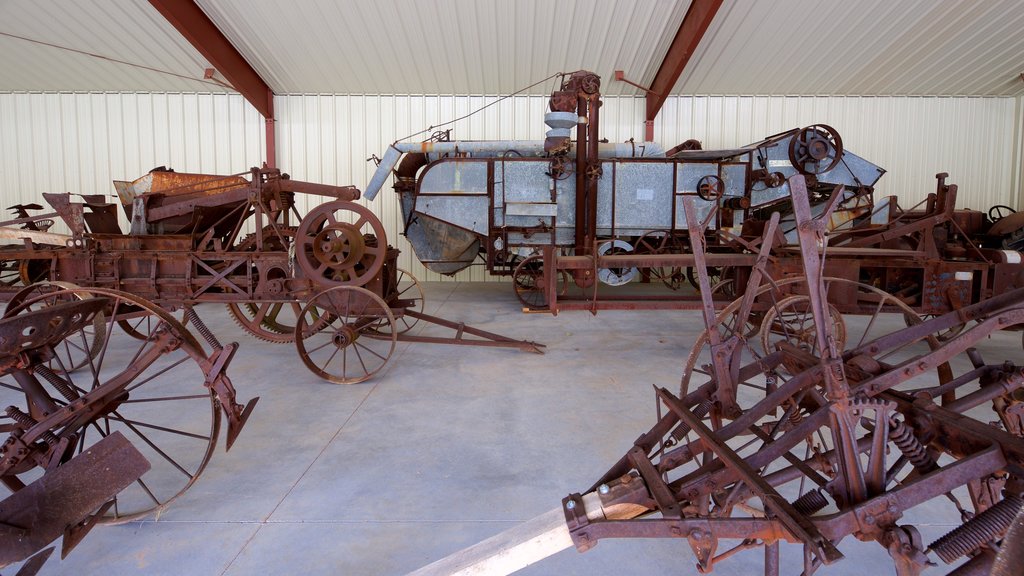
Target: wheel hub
{"points": [[344, 337], [338, 245]]}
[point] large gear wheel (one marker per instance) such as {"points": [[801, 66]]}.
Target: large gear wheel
{"points": [[335, 252]]}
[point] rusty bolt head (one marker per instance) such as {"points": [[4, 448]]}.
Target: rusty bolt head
{"points": [[869, 519], [893, 509], [676, 531]]}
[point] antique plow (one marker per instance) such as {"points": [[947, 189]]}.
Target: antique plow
{"points": [[810, 437], [100, 426]]}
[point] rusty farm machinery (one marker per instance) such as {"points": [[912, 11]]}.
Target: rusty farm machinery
{"points": [[572, 217], [327, 281], [826, 432], [100, 425]]}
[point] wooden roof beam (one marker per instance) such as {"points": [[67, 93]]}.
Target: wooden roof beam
{"points": [[691, 31]]}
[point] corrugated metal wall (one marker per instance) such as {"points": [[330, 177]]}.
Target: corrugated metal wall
{"points": [[80, 142]]}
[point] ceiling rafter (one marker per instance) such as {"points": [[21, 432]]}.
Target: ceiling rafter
{"points": [[190, 20], [695, 23]]}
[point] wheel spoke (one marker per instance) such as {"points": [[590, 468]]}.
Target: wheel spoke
{"points": [[162, 371], [156, 448]]}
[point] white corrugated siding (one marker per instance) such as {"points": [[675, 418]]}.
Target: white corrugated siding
{"points": [[80, 142]]}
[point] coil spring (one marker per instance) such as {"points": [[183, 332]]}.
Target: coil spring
{"points": [[700, 410], [983, 528], [26, 421], [810, 503], [795, 415], [57, 382], [903, 437], [201, 327]]}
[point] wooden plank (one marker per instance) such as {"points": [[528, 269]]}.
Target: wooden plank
{"points": [[525, 544]]}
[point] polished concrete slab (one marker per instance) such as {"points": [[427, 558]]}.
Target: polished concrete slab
{"points": [[445, 447]]}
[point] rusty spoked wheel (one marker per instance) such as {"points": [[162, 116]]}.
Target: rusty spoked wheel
{"points": [[791, 320], [152, 391], [879, 314], [333, 251], [663, 242], [75, 351], [269, 321], [529, 283], [345, 334]]}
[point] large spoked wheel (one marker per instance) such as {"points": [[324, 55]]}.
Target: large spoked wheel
{"points": [[83, 345], [345, 334], [663, 242], [880, 312], [270, 321], [408, 295], [530, 283], [340, 243], [155, 396]]}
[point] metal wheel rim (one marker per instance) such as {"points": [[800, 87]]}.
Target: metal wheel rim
{"points": [[168, 478], [328, 322]]}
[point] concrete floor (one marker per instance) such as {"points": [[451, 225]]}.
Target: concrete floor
{"points": [[447, 446]]}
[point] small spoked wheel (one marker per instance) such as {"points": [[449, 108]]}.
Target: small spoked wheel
{"points": [[154, 395], [663, 242], [530, 283], [345, 334], [792, 321]]}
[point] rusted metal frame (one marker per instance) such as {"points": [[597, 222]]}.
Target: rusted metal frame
{"points": [[230, 266], [976, 311], [721, 352], [648, 440], [660, 491], [29, 219], [717, 528], [691, 31], [582, 235], [78, 413], [346, 193], [793, 520], [190, 20], [930, 361], [208, 199], [962, 428], [1006, 384], [910, 494], [762, 458], [59, 500], [490, 339]]}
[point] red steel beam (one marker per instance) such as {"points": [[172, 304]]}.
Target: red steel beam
{"points": [[691, 31], [203, 34]]}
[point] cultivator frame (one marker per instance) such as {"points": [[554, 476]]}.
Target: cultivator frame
{"points": [[810, 438]]}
